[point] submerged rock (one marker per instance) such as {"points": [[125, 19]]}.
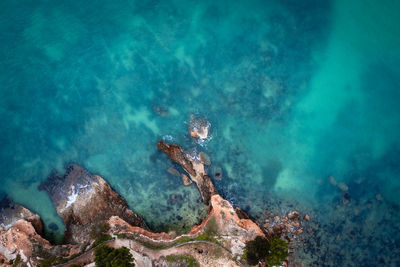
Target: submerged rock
{"points": [[53, 226], [159, 110], [379, 197], [204, 158], [83, 200], [332, 180], [294, 215], [217, 173], [173, 171], [343, 186], [174, 198]]}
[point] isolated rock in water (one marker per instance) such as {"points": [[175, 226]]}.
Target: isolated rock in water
{"points": [[10, 213], [83, 200], [192, 166], [294, 215], [199, 128], [186, 180], [204, 158]]}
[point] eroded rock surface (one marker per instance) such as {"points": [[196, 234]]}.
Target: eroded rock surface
{"points": [[10, 213], [20, 239], [83, 200]]}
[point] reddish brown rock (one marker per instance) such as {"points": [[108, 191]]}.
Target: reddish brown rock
{"points": [[84, 200], [295, 224], [11, 213], [20, 239], [229, 226], [176, 154], [294, 215], [186, 180], [193, 167], [198, 128]]}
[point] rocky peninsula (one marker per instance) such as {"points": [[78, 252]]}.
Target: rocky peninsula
{"points": [[95, 214]]}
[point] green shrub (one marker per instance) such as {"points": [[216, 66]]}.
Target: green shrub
{"points": [[257, 250], [99, 234], [278, 251], [191, 262], [99, 229], [211, 228], [110, 257], [101, 239], [16, 261], [272, 251]]}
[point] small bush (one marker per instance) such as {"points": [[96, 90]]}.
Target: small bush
{"points": [[273, 251], [110, 257], [98, 230], [17, 261], [256, 250], [211, 228], [99, 234], [278, 251], [191, 262]]}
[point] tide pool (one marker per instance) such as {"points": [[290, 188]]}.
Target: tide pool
{"points": [[302, 97]]}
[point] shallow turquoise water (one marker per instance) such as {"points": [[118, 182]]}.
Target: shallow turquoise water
{"points": [[295, 93]]}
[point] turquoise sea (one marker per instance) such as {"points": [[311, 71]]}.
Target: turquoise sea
{"points": [[302, 97]]}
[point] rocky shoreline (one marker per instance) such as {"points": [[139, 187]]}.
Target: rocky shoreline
{"points": [[86, 202], [83, 200]]}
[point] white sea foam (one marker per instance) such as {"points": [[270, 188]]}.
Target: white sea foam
{"points": [[71, 198]]}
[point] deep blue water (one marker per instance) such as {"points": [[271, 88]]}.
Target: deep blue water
{"points": [[302, 97]]}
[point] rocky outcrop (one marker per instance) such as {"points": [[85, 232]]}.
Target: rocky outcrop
{"points": [[223, 222], [232, 226], [10, 213], [193, 166], [199, 128], [84, 200], [20, 240]]}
